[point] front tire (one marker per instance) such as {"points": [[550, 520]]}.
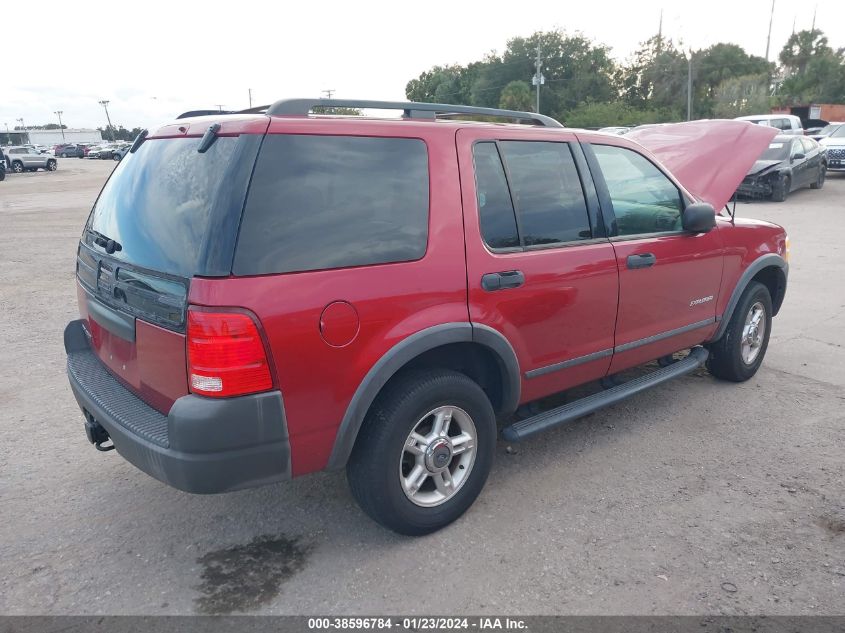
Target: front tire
{"points": [[738, 354], [424, 451], [17, 167], [780, 188], [820, 179]]}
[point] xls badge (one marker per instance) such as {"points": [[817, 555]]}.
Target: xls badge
{"points": [[696, 302]]}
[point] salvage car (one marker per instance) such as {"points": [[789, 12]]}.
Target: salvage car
{"points": [[381, 295], [788, 164]]}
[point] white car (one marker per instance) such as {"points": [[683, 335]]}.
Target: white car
{"points": [[786, 123]]}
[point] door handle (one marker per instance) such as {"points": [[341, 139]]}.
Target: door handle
{"points": [[502, 280], [641, 260]]}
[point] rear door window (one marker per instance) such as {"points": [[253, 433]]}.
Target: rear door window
{"points": [[547, 192], [495, 209], [319, 202]]}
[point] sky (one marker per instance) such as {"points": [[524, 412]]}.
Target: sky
{"points": [[153, 59]]}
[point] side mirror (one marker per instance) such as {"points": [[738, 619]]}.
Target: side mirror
{"points": [[797, 156], [698, 218]]}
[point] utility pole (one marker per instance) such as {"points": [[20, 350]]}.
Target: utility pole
{"points": [[689, 87], [220, 106], [538, 78], [23, 125], [61, 127], [815, 10], [769, 37], [105, 105], [329, 92], [250, 98]]}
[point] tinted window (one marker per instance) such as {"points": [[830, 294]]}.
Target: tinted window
{"points": [[334, 201], [644, 199], [547, 192], [498, 224], [159, 204]]}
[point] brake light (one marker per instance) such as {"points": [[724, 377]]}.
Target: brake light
{"points": [[226, 355]]}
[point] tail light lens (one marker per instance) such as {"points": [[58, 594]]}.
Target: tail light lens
{"points": [[226, 355]]}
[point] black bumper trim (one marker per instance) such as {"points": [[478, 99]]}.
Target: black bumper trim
{"points": [[204, 445]]}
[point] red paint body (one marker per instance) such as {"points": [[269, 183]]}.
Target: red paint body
{"points": [[576, 300]]}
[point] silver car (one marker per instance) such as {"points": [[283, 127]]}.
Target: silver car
{"points": [[28, 159]]}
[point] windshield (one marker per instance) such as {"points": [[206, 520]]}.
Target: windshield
{"points": [[172, 209], [776, 151]]}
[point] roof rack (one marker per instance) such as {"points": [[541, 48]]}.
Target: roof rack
{"points": [[410, 109]]}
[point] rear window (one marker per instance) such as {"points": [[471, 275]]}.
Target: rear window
{"points": [[318, 202], [175, 210]]}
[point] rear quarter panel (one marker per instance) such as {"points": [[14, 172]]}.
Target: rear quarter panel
{"points": [[392, 301]]}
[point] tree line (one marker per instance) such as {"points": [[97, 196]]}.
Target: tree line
{"points": [[585, 87]]}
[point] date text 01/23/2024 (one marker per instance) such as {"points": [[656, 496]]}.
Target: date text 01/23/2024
{"points": [[416, 623]]}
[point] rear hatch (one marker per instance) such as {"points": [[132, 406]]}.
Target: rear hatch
{"points": [[167, 214]]}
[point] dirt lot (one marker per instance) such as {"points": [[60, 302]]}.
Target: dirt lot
{"points": [[698, 497]]}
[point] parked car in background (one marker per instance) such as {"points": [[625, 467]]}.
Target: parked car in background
{"points": [[826, 130], [789, 163], [788, 124], [28, 159], [120, 152], [69, 150], [834, 143]]}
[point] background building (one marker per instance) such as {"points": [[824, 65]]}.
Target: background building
{"points": [[51, 137]]}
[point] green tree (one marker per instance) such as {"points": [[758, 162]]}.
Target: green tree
{"points": [[656, 77], [814, 71], [516, 96], [714, 66], [119, 133], [738, 96], [613, 113]]}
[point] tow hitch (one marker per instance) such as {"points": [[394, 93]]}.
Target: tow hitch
{"points": [[96, 434]]}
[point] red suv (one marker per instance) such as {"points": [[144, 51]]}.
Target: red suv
{"points": [[271, 293]]}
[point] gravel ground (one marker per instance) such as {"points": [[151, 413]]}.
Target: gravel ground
{"points": [[698, 497]]}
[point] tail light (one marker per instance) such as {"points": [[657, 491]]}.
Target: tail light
{"points": [[226, 355]]}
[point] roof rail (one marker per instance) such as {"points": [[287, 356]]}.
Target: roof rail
{"points": [[410, 109]]}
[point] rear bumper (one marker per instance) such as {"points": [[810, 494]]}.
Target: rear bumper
{"points": [[203, 445]]}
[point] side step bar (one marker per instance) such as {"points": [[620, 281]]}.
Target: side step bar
{"points": [[571, 411]]}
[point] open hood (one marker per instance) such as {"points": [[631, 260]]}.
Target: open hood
{"points": [[709, 158]]}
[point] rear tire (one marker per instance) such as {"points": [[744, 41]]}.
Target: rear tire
{"points": [[738, 354], [52, 165], [780, 189], [820, 179], [416, 466]]}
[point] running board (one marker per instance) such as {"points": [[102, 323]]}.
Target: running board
{"points": [[571, 411]]}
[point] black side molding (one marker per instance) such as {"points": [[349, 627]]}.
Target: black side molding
{"points": [[571, 411]]}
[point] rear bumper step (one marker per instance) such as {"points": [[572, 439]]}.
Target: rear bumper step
{"points": [[203, 445], [571, 411]]}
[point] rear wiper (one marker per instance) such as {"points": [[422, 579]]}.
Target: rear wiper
{"points": [[105, 242], [208, 138]]}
